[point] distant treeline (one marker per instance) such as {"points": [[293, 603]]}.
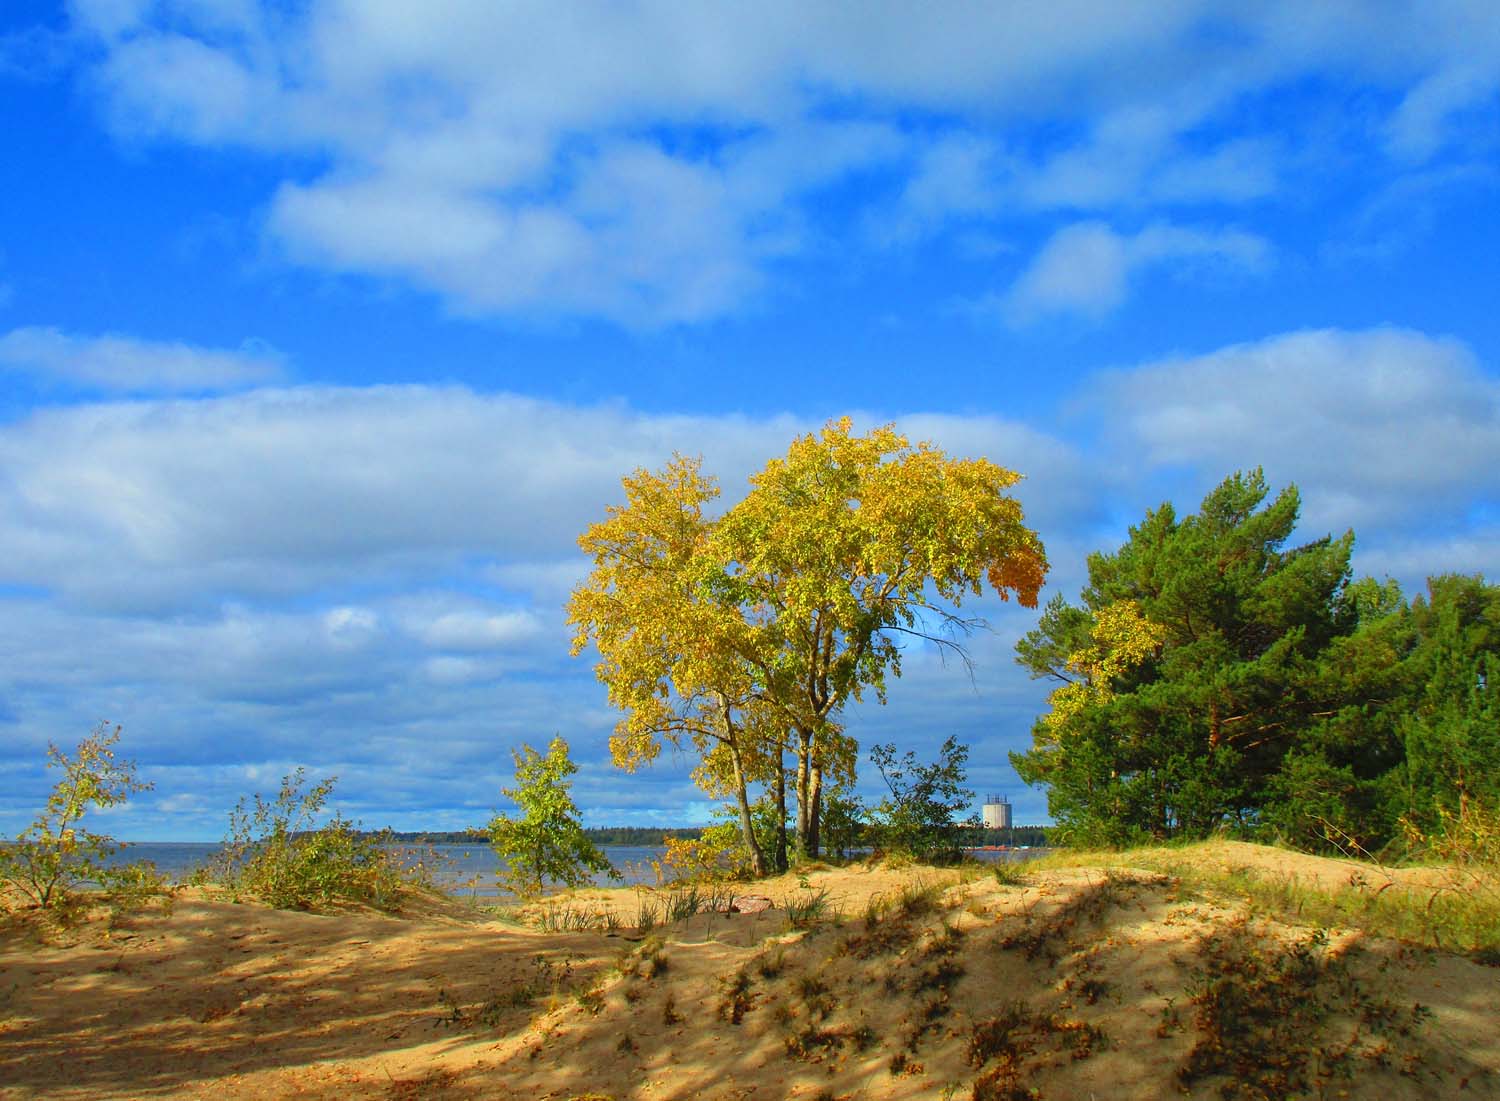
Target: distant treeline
{"points": [[1034, 837], [646, 836]]}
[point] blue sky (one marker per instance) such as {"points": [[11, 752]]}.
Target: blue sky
{"points": [[325, 327]]}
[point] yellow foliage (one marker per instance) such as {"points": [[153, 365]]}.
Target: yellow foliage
{"points": [[717, 854], [747, 635], [1122, 638]]}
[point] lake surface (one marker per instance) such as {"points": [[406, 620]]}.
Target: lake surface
{"points": [[458, 869], [463, 870]]}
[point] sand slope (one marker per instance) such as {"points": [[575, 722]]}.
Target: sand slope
{"points": [[1076, 983]]}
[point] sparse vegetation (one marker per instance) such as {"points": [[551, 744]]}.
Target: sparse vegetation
{"points": [[1009, 874], [276, 852], [51, 859], [1279, 1019], [808, 909], [737, 1000], [646, 961], [571, 917], [648, 913], [1049, 935], [550, 977]]}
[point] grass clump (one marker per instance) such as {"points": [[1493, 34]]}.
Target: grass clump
{"points": [[808, 909], [648, 913], [685, 902], [569, 917]]}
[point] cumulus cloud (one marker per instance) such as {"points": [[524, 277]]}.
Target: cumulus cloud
{"points": [[1378, 428], [1085, 269], [293, 491], [117, 363], [657, 176]]}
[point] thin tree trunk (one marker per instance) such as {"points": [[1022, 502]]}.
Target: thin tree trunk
{"points": [[815, 795], [803, 750], [747, 824], [780, 855]]}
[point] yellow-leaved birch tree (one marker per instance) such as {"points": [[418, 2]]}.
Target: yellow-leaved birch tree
{"points": [[669, 653], [841, 548], [748, 635]]}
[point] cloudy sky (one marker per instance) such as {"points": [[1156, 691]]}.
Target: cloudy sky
{"points": [[326, 326]]}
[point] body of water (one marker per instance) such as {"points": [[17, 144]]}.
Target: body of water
{"points": [[462, 870], [458, 869]]}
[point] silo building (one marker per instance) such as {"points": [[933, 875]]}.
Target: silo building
{"points": [[996, 813]]}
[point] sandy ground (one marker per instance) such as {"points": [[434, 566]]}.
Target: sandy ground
{"points": [[1084, 982]]}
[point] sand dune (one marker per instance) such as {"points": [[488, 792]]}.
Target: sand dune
{"points": [[1083, 982]]}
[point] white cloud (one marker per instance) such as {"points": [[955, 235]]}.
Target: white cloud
{"points": [[300, 491], [121, 363], [477, 630], [647, 162], [1086, 268], [958, 174], [1142, 155], [1423, 122], [349, 626], [1379, 428]]}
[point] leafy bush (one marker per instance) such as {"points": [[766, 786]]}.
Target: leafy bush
{"points": [[718, 854], [51, 858], [843, 826], [918, 820], [275, 853], [547, 842]]}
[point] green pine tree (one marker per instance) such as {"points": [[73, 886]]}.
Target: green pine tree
{"points": [[1193, 665]]}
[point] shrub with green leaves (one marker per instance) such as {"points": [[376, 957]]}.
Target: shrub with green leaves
{"points": [[53, 857], [546, 843], [276, 852], [919, 819]]}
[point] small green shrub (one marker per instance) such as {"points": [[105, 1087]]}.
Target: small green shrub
{"points": [[275, 853], [545, 843], [53, 857]]}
